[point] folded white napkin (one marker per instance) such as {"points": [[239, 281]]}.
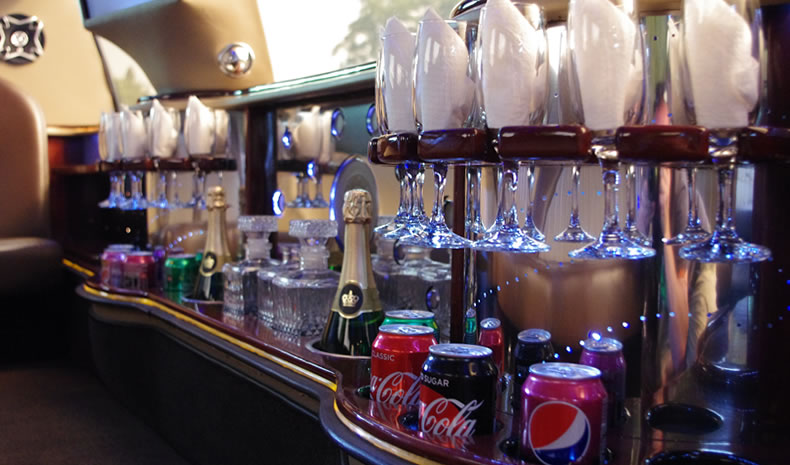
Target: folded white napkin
{"points": [[162, 131], [307, 134], [444, 92], [513, 71], [397, 85], [133, 134], [198, 127], [724, 74], [608, 63]]}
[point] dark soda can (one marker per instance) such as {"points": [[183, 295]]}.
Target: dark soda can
{"points": [[160, 254], [396, 360], [533, 346], [492, 336], [457, 393], [112, 264], [139, 271], [563, 415], [606, 354]]}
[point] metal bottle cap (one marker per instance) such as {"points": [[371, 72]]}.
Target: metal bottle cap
{"points": [[409, 314], [534, 335], [569, 371], [490, 323], [356, 206], [216, 198]]}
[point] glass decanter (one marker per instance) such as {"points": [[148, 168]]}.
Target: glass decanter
{"points": [[290, 262]]}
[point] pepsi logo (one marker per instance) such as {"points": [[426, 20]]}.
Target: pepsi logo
{"points": [[559, 433]]}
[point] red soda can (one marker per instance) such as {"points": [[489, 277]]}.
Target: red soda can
{"points": [[112, 264], [457, 392], [563, 417], [492, 336], [139, 271], [397, 355], [606, 354]]}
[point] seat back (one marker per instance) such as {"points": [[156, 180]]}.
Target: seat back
{"points": [[24, 166]]}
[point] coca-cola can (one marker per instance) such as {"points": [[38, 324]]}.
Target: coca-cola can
{"points": [[396, 359], [563, 415], [112, 264], [139, 271], [606, 354], [492, 336], [458, 392]]}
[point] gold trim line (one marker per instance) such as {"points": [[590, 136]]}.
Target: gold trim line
{"points": [[65, 131], [79, 269], [241, 344], [381, 444]]}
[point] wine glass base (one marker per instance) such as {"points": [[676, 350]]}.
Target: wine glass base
{"points": [[319, 203], [412, 228], [439, 236], [613, 246], [574, 234], [731, 249], [633, 235], [532, 231], [509, 239], [690, 235]]}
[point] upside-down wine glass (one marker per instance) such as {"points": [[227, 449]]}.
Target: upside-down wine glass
{"points": [[443, 102], [604, 41], [135, 140], [109, 152], [162, 143], [724, 71], [512, 83], [394, 113], [199, 137]]}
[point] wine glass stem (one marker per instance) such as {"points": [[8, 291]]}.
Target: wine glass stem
{"points": [[611, 181], [576, 176], [439, 181], [693, 220], [174, 187], [630, 177], [508, 210], [418, 198], [412, 172], [530, 182], [473, 194], [405, 194], [724, 217]]}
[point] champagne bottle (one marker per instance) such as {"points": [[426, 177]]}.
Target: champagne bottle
{"points": [[356, 312], [216, 253]]}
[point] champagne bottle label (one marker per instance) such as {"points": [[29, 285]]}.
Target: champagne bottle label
{"points": [[353, 300]]}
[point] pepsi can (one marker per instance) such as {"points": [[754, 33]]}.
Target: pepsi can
{"points": [[563, 415], [457, 393], [606, 354]]}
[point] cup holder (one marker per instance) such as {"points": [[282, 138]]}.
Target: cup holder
{"points": [[314, 346], [683, 419], [697, 457]]}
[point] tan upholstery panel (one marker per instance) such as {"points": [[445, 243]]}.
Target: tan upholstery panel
{"points": [[24, 167], [28, 265]]}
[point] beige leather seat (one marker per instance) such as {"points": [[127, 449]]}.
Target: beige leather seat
{"points": [[29, 260]]}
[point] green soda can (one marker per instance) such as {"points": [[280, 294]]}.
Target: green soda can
{"points": [[412, 317], [180, 273]]}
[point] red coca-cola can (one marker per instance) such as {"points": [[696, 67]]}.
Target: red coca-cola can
{"points": [[492, 336], [396, 359], [139, 271], [563, 416], [606, 354], [457, 392], [112, 264]]}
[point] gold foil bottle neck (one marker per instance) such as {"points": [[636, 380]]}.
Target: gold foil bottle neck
{"points": [[215, 198], [357, 206]]}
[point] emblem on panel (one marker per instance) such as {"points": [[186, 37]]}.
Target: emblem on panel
{"points": [[21, 38]]}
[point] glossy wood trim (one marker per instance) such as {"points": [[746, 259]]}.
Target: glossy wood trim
{"points": [[67, 131], [81, 270]]}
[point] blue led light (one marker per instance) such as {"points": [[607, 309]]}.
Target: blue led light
{"points": [[568, 349], [626, 325], [671, 314], [598, 193], [689, 314], [507, 283], [556, 355], [595, 335], [287, 139], [581, 343], [311, 169], [535, 270], [278, 202], [570, 193], [560, 264], [582, 192], [709, 315], [369, 119], [642, 318], [609, 329], [658, 315], [516, 278], [498, 288], [338, 122]]}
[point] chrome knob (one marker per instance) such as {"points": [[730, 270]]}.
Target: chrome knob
{"points": [[236, 59]]}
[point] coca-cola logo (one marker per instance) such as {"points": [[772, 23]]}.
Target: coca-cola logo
{"points": [[397, 388], [448, 417]]}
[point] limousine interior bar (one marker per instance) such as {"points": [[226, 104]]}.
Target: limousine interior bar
{"points": [[541, 232]]}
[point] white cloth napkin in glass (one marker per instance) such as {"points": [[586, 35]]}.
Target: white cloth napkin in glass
{"points": [[133, 134], [397, 56], [307, 138], [724, 74], [513, 82], [162, 131], [198, 127], [444, 93], [608, 64]]}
